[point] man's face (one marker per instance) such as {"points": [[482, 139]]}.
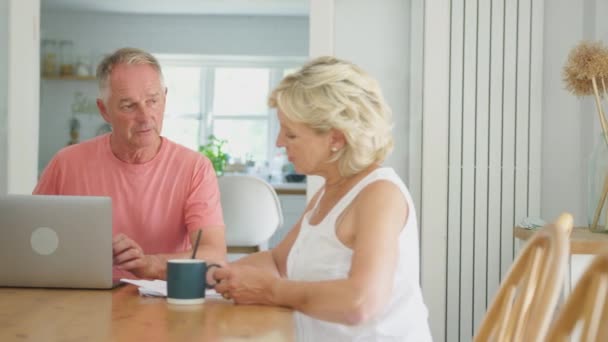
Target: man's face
{"points": [[135, 105]]}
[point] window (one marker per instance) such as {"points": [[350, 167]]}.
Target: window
{"points": [[226, 98]]}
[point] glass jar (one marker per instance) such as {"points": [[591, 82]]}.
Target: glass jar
{"points": [[597, 181], [83, 66], [49, 65], [66, 53]]}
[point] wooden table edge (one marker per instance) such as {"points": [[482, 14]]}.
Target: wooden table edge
{"points": [[582, 241]]}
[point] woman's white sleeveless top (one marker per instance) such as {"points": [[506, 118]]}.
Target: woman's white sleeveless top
{"points": [[317, 255]]}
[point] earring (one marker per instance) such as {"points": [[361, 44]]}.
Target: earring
{"points": [[333, 149]]}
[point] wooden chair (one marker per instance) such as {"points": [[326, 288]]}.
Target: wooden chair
{"points": [[588, 303], [526, 299]]}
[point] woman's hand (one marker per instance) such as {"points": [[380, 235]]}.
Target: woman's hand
{"points": [[246, 284]]}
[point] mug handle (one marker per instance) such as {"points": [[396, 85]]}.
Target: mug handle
{"points": [[212, 286]]}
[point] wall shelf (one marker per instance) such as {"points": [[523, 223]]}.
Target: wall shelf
{"points": [[70, 78]]}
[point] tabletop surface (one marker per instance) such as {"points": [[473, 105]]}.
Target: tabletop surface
{"points": [[122, 315], [582, 240], [290, 188]]}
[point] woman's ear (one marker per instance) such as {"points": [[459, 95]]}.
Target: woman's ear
{"points": [[337, 139]]}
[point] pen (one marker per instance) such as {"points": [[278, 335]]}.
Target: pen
{"points": [[198, 238]]}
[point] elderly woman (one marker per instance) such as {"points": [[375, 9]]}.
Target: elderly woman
{"points": [[350, 265]]}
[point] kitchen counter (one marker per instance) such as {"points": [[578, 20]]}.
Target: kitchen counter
{"points": [[283, 188]]}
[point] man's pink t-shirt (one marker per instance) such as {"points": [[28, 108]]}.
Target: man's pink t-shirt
{"points": [[156, 203]]}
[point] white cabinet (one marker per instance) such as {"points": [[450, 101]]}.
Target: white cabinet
{"points": [[292, 207]]}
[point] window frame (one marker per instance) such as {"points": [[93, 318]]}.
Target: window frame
{"points": [[207, 64]]}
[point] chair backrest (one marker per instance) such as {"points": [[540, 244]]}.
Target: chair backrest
{"points": [[251, 207], [526, 299], [588, 302]]}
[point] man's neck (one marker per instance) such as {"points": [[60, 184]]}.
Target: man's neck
{"points": [[135, 155]]}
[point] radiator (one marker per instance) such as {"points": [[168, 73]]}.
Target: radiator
{"points": [[475, 148]]}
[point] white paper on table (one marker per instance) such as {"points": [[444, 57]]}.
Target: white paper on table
{"points": [[158, 288]]}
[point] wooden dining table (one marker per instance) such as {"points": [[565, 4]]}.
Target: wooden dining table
{"points": [[122, 314]]}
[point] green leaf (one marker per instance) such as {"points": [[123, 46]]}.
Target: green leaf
{"points": [[214, 151]]}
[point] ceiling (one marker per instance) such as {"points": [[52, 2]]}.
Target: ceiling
{"points": [[209, 7]]}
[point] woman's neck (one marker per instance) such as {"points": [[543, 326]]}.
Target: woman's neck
{"points": [[337, 182]]}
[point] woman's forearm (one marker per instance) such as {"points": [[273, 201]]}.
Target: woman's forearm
{"points": [[337, 301], [263, 260]]}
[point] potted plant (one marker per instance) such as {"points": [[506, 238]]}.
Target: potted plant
{"points": [[586, 73], [213, 150]]}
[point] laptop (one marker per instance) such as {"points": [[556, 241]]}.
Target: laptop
{"points": [[56, 241]]}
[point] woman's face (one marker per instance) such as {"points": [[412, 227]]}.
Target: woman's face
{"points": [[306, 149]]}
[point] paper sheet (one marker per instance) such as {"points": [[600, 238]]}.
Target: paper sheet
{"points": [[158, 288]]}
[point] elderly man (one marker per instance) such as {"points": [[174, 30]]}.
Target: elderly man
{"points": [[162, 193]]}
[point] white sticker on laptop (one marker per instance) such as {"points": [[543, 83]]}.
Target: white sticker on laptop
{"points": [[44, 241]]}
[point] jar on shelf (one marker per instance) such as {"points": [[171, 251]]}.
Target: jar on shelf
{"points": [[49, 58], [66, 53], [83, 66]]}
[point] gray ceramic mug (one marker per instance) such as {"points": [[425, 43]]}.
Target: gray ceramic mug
{"points": [[187, 280]]}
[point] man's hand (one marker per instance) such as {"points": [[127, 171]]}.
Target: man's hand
{"points": [[129, 256]]}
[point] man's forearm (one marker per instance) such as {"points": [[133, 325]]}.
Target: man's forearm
{"points": [[211, 253], [157, 268]]}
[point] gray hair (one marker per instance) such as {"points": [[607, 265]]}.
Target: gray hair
{"points": [[329, 93], [123, 56]]}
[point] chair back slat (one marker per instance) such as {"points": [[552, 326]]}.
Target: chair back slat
{"points": [[505, 314], [523, 305], [528, 290], [586, 305], [593, 311]]}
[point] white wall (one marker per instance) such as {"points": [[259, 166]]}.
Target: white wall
{"points": [[377, 39], [3, 94], [23, 85], [187, 34], [321, 43], [570, 124], [97, 34]]}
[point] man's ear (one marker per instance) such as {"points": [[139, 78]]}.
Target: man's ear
{"points": [[103, 110]]}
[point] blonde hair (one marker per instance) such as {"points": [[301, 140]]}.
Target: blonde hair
{"points": [[329, 93], [124, 56]]}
